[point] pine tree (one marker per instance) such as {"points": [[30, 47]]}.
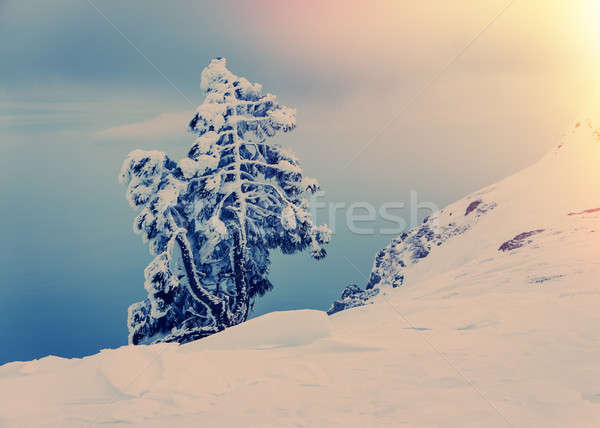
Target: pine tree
{"points": [[212, 218]]}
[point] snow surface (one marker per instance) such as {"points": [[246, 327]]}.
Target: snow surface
{"points": [[474, 337]]}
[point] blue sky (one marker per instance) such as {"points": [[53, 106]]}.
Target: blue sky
{"points": [[76, 97]]}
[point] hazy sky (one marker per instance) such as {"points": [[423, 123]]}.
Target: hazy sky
{"points": [[435, 97]]}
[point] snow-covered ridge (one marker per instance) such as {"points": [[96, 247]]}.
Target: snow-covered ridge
{"points": [[536, 200]]}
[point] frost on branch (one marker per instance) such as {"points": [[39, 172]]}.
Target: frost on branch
{"points": [[212, 218]]}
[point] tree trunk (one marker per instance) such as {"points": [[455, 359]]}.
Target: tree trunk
{"points": [[238, 264], [215, 305], [223, 315]]}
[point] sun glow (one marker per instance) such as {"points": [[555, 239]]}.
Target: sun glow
{"points": [[592, 30], [592, 26]]}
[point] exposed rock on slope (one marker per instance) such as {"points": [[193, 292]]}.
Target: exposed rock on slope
{"points": [[507, 216], [412, 247]]}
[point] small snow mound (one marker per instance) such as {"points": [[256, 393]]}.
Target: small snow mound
{"points": [[275, 329]]}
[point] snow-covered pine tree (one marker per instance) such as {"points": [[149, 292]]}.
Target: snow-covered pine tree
{"points": [[212, 218]]}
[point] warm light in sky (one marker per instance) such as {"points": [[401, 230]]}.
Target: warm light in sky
{"points": [[394, 34], [592, 30], [590, 15], [594, 6]]}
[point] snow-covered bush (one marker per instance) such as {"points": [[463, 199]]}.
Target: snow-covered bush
{"points": [[212, 218]]}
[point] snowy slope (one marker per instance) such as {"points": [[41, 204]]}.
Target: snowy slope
{"points": [[496, 326], [546, 203]]}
